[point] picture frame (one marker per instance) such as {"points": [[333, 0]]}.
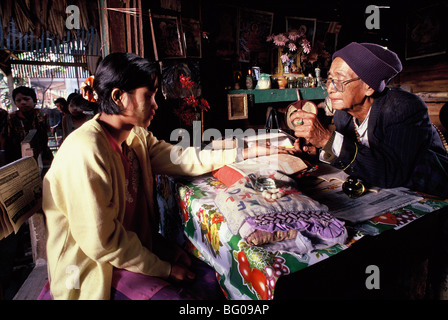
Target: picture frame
{"points": [[167, 37], [426, 30], [308, 25], [237, 106], [227, 32], [254, 26], [192, 33], [175, 5]]}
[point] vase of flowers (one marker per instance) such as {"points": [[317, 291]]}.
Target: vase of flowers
{"points": [[291, 45], [191, 106]]}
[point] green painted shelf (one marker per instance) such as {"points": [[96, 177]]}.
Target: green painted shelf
{"points": [[280, 95]]}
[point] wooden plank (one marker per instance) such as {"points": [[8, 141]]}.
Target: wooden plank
{"points": [[141, 46], [128, 28], [38, 238], [424, 77], [1, 33], [434, 96]]}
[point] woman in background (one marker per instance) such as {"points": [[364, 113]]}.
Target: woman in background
{"points": [[77, 115]]}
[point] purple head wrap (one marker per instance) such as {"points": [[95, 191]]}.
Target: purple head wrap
{"points": [[374, 64]]}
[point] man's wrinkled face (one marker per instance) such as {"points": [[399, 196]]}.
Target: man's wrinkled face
{"points": [[354, 92]]}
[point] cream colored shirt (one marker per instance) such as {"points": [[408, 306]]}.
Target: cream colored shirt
{"points": [[84, 200]]}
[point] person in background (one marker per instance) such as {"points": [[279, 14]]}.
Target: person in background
{"points": [[383, 136], [26, 118], [107, 232], [78, 114], [62, 106]]}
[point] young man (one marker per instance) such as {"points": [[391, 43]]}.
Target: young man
{"points": [[24, 120]]}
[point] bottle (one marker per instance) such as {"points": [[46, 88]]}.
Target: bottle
{"points": [[311, 81], [249, 80], [318, 78]]}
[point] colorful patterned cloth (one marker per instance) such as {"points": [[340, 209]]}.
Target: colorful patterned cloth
{"points": [[251, 272]]}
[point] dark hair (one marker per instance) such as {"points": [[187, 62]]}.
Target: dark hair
{"points": [[25, 91], [70, 96], [78, 100], [124, 71], [63, 103]]}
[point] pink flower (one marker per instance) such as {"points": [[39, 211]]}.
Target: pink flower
{"points": [[284, 58], [292, 47], [306, 46], [280, 40], [291, 42], [294, 35]]}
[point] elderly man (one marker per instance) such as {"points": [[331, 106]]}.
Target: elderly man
{"points": [[383, 136]]}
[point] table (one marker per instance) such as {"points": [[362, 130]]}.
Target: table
{"points": [[253, 273]]}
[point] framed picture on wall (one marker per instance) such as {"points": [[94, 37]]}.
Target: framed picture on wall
{"points": [[237, 106], [426, 31], [307, 25], [226, 34], [167, 37], [254, 27], [323, 36], [192, 37]]}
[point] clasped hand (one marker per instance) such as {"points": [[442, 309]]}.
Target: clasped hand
{"points": [[308, 127]]}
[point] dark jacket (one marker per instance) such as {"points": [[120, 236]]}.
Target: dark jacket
{"points": [[405, 148]]}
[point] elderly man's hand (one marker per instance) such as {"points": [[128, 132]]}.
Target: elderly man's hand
{"points": [[307, 126]]}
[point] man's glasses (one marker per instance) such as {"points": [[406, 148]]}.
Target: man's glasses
{"points": [[338, 85]]}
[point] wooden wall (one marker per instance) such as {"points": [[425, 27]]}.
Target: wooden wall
{"points": [[428, 79]]}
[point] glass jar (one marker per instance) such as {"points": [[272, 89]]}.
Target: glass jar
{"points": [[292, 82], [264, 82]]}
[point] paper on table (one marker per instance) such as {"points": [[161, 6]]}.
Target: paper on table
{"points": [[327, 189]]}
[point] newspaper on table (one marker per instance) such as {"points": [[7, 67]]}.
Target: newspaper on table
{"points": [[20, 194], [327, 189]]}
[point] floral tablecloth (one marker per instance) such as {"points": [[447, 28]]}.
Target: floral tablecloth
{"points": [[250, 272]]}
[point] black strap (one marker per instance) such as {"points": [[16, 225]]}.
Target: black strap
{"points": [[271, 120]]}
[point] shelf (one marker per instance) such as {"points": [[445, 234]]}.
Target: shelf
{"points": [[281, 95]]}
